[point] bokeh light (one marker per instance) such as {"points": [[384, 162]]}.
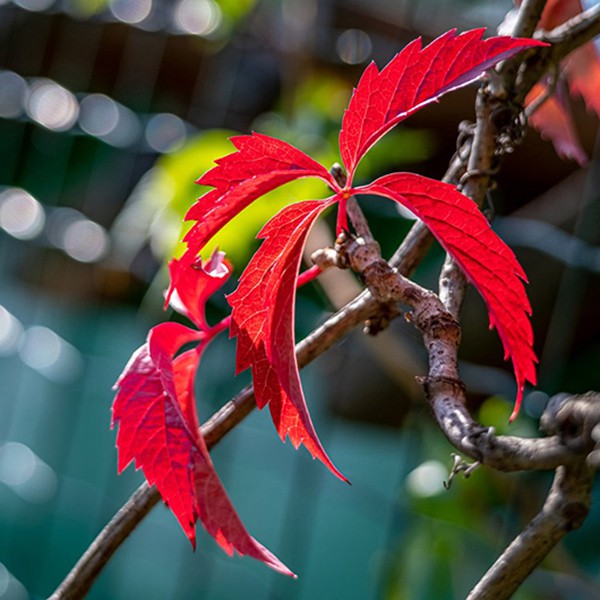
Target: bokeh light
{"points": [[11, 331], [354, 46], [108, 120], [21, 215], [52, 106], [98, 115], [45, 351], [35, 5], [10, 587], [82, 239], [85, 241], [17, 463], [26, 473], [198, 17], [427, 479], [131, 11], [535, 403], [127, 131], [13, 91], [59, 220], [165, 132]]}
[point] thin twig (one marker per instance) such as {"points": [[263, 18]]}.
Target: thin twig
{"points": [[549, 90], [358, 219], [528, 17], [452, 286], [565, 509], [475, 184], [573, 33]]}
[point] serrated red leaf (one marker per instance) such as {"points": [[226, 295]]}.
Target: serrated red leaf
{"points": [[263, 321], [414, 78], [486, 260], [158, 428], [152, 427], [259, 165]]}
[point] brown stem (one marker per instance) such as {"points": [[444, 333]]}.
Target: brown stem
{"points": [[527, 19], [573, 33], [444, 389], [565, 509]]}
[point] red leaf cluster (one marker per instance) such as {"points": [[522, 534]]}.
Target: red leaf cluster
{"points": [[155, 409], [155, 403]]}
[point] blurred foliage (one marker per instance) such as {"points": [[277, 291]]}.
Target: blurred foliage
{"points": [[234, 10], [87, 8]]}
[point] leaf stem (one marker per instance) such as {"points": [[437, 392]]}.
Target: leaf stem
{"points": [[222, 325], [341, 225], [309, 275]]}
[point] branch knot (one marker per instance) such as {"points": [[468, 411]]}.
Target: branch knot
{"points": [[576, 422]]}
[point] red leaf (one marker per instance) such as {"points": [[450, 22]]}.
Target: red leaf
{"points": [[557, 12], [582, 69], [263, 321], [259, 165], [193, 284], [554, 122], [158, 428], [414, 78], [152, 427], [582, 66], [486, 260]]}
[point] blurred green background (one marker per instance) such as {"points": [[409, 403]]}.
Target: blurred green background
{"points": [[109, 110]]}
